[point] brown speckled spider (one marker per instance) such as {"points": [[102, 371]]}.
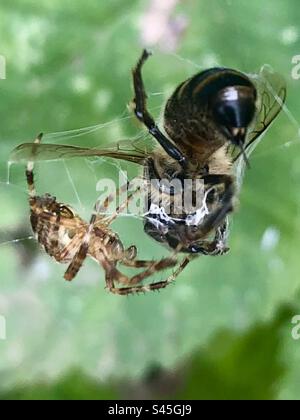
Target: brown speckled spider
{"points": [[69, 239]]}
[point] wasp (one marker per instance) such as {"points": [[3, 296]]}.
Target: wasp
{"points": [[211, 123]]}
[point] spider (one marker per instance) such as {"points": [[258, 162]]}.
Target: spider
{"points": [[69, 239]]}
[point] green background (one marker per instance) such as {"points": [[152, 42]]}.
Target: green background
{"points": [[224, 329]]}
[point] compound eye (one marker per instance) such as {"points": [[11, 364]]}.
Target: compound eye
{"points": [[225, 114], [234, 108]]}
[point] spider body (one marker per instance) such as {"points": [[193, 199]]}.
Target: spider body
{"points": [[56, 225], [67, 238]]}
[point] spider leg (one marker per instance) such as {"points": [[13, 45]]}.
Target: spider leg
{"points": [[30, 175], [50, 238], [64, 254], [141, 112], [150, 287], [122, 206], [53, 231], [151, 268], [81, 254], [137, 263], [131, 262], [102, 209]]}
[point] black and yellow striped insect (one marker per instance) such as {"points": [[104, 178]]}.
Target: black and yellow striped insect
{"points": [[211, 123]]}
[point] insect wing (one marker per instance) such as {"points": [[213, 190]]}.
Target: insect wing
{"points": [[271, 88], [122, 151]]}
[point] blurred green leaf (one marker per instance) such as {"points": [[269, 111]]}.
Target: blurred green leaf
{"points": [[68, 66], [246, 366], [74, 386]]}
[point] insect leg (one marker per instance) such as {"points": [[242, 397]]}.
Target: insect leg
{"points": [[141, 112], [218, 246], [216, 218]]}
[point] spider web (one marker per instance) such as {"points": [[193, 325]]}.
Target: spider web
{"points": [[77, 133], [93, 165], [180, 310]]}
